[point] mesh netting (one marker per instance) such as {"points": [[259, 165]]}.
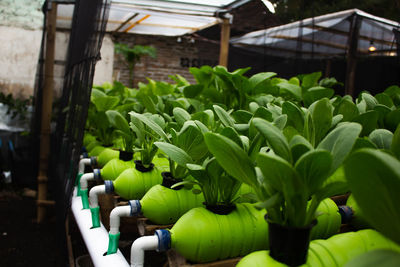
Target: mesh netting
{"points": [[85, 40]]}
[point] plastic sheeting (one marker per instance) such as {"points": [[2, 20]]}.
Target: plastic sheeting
{"points": [[158, 17], [324, 36]]}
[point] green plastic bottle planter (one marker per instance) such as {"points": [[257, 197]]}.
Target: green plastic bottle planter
{"points": [[114, 168], [202, 236], [133, 184], [92, 145], [105, 156], [87, 139], [335, 251], [163, 205], [96, 151], [357, 221]]}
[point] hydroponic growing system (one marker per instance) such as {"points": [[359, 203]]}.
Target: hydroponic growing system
{"points": [[243, 167]]}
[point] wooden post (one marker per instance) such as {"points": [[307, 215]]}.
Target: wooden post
{"points": [[351, 55], [224, 43], [47, 101]]}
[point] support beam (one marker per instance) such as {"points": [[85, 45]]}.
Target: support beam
{"points": [[47, 101], [351, 55], [224, 44]]}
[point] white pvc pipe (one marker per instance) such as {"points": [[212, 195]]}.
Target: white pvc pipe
{"points": [[96, 239], [85, 178], [139, 246], [94, 195], [82, 164], [115, 215]]}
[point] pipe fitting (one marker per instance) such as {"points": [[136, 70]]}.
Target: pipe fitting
{"points": [[93, 161], [97, 174], [94, 195], [139, 246], [109, 186], [346, 213], [84, 180], [135, 206], [115, 215], [164, 240], [82, 163]]}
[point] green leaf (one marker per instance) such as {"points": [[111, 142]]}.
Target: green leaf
{"points": [[382, 138], [321, 113], [224, 116], [348, 109], [313, 167], [392, 120], [368, 120], [369, 100], [175, 153], [374, 180], [310, 80], [191, 140], [192, 91], [280, 121], [289, 90], [316, 93], [295, 115], [299, 146], [278, 172], [259, 78], [181, 115], [151, 124], [274, 137], [263, 113], [396, 143], [232, 158], [104, 103], [118, 121], [373, 258], [242, 116], [340, 142], [384, 99], [230, 133]]}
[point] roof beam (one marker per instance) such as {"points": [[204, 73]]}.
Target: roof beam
{"points": [[126, 22], [136, 23], [307, 40]]}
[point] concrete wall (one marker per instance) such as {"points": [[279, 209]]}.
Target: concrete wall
{"points": [[19, 52], [104, 67]]}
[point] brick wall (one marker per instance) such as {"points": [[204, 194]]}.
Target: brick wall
{"points": [[173, 57]]}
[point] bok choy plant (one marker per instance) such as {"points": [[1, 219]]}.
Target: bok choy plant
{"points": [[285, 178]]}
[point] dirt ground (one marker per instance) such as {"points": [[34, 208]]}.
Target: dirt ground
{"points": [[23, 242]]}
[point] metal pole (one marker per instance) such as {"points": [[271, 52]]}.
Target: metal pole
{"points": [[351, 55]]}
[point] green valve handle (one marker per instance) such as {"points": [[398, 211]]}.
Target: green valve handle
{"points": [[95, 217], [85, 200], [113, 240], [78, 183]]}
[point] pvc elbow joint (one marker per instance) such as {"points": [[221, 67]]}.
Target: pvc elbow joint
{"points": [[94, 195], [160, 241], [139, 246], [84, 180], [82, 163]]}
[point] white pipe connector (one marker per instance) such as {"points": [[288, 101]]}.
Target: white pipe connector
{"points": [[85, 178], [94, 195], [115, 215], [139, 246], [82, 163]]}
